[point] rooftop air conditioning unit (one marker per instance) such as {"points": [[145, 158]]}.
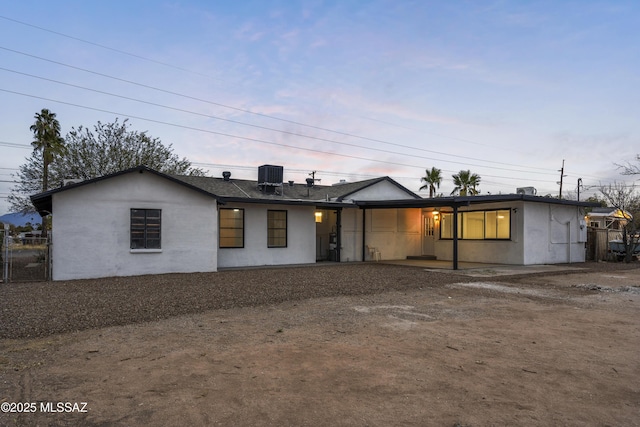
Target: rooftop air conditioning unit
{"points": [[270, 177], [529, 191]]}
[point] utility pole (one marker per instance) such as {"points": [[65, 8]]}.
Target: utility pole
{"points": [[562, 175], [313, 176], [579, 185]]}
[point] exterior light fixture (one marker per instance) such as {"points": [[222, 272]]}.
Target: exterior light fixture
{"points": [[318, 216]]}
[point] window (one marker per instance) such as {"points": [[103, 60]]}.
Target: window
{"points": [[478, 225], [277, 229], [231, 228], [498, 224], [446, 226], [145, 228], [472, 225]]}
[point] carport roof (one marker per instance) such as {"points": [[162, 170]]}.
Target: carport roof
{"points": [[466, 201]]}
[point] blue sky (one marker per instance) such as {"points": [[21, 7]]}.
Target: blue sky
{"points": [[350, 89]]}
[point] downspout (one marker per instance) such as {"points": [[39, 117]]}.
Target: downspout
{"points": [[569, 240], [364, 223], [455, 237], [338, 233]]}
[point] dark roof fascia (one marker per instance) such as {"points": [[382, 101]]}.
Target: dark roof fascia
{"points": [[466, 201], [42, 201], [376, 181], [291, 202]]}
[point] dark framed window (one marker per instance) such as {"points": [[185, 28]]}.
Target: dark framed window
{"points": [[231, 224], [478, 225], [145, 228], [276, 229]]}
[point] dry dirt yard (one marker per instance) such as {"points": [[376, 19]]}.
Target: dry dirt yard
{"points": [[351, 345]]}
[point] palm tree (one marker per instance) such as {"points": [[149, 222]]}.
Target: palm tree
{"points": [[465, 183], [46, 131], [433, 178]]}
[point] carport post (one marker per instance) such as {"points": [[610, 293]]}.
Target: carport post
{"points": [[455, 237]]}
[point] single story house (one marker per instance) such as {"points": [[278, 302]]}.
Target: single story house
{"points": [[140, 221], [607, 217]]}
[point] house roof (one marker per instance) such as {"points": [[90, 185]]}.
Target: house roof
{"points": [[239, 190], [248, 190], [43, 201], [330, 196], [608, 212]]}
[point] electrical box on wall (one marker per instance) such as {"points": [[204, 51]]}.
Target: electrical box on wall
{"points": [[582, 234]]}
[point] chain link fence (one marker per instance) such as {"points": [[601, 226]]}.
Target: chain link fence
{"points": [[25, 259]]}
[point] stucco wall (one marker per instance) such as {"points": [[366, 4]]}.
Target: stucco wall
{"points": [[301, 235], [91, 228], [351, 243], [541, 233], [553, 233], [396, 233], [488, 251], [383, 190]]}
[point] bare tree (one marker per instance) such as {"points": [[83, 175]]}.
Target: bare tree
{"points": [[626, 199], [629, 168]]}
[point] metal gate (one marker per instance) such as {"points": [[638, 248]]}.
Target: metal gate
{"points": [[25, 259]]}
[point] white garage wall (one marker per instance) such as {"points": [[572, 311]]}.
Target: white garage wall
{"points": [[91, 228]]}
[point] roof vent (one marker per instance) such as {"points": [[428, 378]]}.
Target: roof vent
{"points": [[226, 175], [309, 182], [269, 177], [290, 183]]}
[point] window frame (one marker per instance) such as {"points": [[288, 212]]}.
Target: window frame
{"points": [[271, 228], [221, 228], [147, 228], [446, 224]]}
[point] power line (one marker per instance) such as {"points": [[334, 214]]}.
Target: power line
{"points": [[234, 136], [247, 111], [14, 145], [140, 57], [108, 48], [271, 129], [196, 72]]}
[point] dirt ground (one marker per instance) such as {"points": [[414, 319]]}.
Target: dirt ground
{"points": [[520, 350]]}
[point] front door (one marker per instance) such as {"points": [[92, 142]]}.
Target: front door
{"points": [[428, 233]]}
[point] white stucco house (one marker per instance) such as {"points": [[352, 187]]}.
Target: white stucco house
{"points": [[140, 221]]}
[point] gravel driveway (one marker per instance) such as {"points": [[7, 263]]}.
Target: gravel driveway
{"points": [[46, 308]]}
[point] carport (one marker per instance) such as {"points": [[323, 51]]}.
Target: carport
{"points": [[550, 227], [450, 202]]}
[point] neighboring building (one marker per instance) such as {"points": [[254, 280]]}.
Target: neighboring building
{"points": [[609, 218], [140, 221]]}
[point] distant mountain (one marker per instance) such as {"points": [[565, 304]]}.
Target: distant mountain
{"points": [[19, 219]]}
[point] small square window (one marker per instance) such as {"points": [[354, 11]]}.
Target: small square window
{"points": [[145, 228]]}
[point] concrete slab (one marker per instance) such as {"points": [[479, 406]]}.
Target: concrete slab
{"points": [[477, 269]]}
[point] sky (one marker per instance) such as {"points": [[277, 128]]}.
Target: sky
{"points": [[349, 89]]}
